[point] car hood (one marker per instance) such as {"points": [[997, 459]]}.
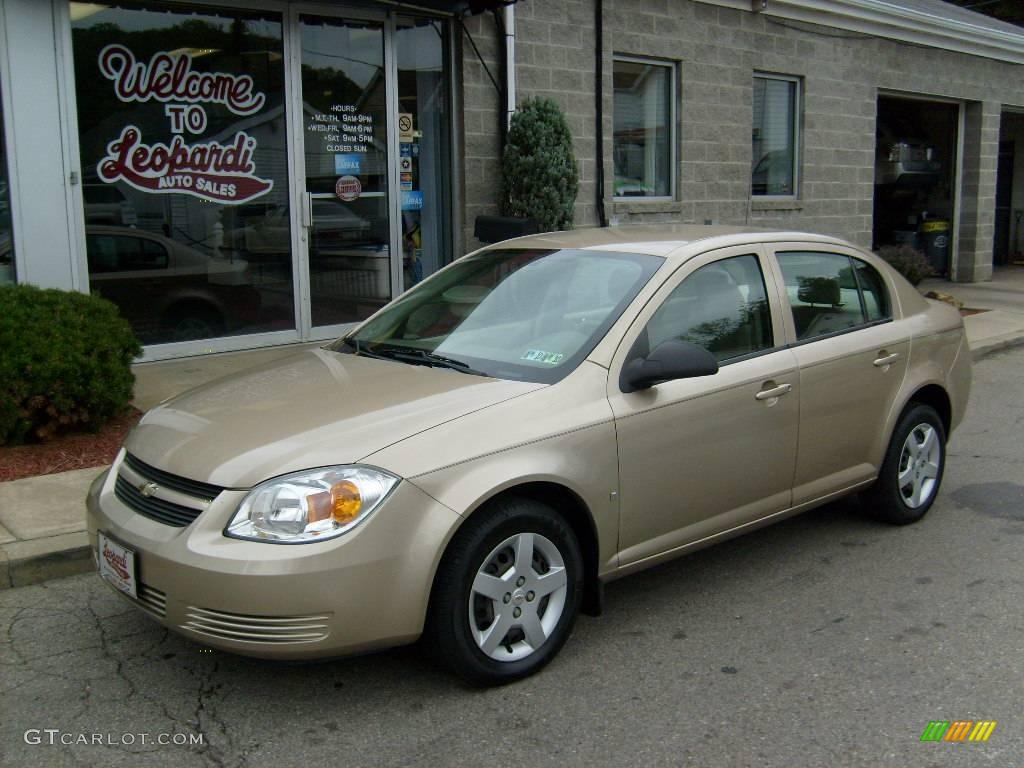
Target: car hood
{"points": [[313, 409]]}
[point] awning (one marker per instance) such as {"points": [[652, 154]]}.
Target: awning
{"points": [[455, 7]]}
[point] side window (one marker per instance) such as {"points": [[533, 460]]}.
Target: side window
{"points": [[722, 307], [872, 288], [822, 292]]}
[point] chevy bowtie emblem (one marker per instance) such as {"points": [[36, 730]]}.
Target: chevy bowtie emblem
{"points": [[148, 489]]}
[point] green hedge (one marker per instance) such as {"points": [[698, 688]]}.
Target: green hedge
{"points": [[540, 176], [65, 362]]}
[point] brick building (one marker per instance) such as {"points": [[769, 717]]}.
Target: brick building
{"points": [[236, 174]]}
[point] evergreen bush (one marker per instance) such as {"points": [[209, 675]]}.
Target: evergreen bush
{"points": [[540, 175], [65, 362]]}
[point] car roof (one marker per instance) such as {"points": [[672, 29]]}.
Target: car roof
{"points": [[664, 240]]}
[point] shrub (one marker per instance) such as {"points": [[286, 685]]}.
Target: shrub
{"points": [[540, 176], [909, 262], [65, 362]]}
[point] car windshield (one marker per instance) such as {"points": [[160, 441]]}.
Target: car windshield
{"points": [[523, 314]]}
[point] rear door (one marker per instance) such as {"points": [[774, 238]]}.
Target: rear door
{"points": [[852, 356], [703, 455]]}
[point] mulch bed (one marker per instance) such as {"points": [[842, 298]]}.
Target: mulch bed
{"points": [[72, 451]]}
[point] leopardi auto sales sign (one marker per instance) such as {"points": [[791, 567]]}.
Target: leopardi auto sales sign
{"points": [[212, 170]]}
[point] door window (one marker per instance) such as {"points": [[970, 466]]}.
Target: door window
{"points": [[831, 293], [424, 157], [722, 307]]}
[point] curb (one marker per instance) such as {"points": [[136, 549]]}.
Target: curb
{"points": [[60, 559], [999, 345]]}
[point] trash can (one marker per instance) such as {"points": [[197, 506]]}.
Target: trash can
{"points": [[935, 241]]}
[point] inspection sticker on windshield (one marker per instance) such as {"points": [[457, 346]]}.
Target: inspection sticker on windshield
{"points": [[540, 356]]}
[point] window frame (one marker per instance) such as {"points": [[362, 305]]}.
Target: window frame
{"points": [[673, 118], [797, 114], [850, 255]]}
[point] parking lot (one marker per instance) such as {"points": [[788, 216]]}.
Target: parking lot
{"points": [[825, 640]]}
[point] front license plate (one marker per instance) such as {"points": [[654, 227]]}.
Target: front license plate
{"points": [[117, 564]]}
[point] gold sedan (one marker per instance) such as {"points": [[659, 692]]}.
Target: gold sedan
{"points": [[477, 459]]}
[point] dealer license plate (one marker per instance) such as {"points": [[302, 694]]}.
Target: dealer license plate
{"points": [[117, 564]]}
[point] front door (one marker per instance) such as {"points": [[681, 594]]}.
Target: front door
{"points": [[704, 455], [374, 159], [346, 229]]}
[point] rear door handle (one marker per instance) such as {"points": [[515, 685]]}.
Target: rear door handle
{"points": [[773, 392], [886, 360]]}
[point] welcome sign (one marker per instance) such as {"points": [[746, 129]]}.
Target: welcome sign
{"points": [[212, 170]]}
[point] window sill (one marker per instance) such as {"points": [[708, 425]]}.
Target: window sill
{"points": [[639, 205], [776, 205]]}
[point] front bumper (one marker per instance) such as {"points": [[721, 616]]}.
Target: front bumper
{"points": [[366, 589]]}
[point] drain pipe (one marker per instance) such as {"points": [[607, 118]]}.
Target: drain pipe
{"points": [[509, 22], [602, 215]]}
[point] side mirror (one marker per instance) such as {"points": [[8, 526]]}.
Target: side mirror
{"points": [[669, 361]]}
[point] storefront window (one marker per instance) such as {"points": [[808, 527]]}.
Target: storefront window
{"points": [[776, 100], [424, 160], [6, 236], [182, 132], [644, 135]]}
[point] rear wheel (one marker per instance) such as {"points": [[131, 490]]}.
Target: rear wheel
{"points": [[912, 470], [507, 592]]}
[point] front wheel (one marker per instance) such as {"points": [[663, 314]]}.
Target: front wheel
{"points": [[912, 470], [507, 592]]}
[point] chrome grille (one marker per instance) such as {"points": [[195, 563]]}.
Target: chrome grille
{"points": [[166, 512], [161, 496], [194, 488], [257, 629]]}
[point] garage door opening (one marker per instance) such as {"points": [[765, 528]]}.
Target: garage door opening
{"points": [[915, 176], [1008, 241]]}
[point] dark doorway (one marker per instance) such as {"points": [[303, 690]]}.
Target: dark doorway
{"points": [[1004, 204], [915, 176]]}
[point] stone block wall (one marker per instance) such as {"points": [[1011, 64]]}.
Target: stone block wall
{"points": [[717, 51]]}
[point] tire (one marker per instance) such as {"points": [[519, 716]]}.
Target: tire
{"points": [[482, 589], [189, 322], [912, 470]]}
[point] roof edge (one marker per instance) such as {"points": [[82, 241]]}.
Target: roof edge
{"points": [[896, 22]]}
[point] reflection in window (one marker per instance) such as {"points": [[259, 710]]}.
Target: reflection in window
{"points": [[775, 137], [643, 139], [722, 307], [822, 292], [6, 236], [185, 178]]}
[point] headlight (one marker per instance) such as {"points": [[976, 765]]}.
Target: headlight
{"points": [[310, 506]]}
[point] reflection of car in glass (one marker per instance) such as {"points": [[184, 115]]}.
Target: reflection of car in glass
{"points": [[166, 290], [106, 204], [906, 161], [268, 230], [474, 461], [6, 257]]}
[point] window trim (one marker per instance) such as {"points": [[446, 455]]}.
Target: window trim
{"points": [[782, 248], [673, 118], [798, 93]]}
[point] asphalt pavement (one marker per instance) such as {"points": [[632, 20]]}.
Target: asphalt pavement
{"points": [[825, 640]]}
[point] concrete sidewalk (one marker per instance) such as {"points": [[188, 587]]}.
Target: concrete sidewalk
{"points": [[42, 519]]}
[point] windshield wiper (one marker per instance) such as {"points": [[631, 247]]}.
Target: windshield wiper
{"points": [[422, 357]]}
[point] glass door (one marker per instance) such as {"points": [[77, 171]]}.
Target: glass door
{"points": [[423, 146], [347, 196]]}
